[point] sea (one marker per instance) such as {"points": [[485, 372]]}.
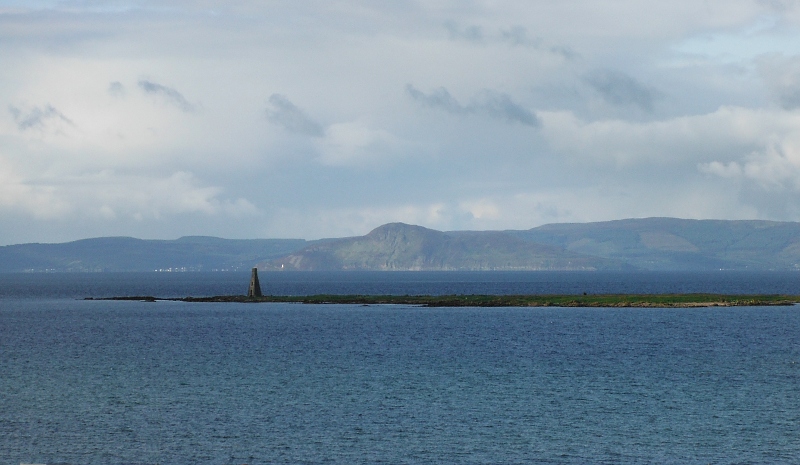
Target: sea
{"points": [[130, 382]]}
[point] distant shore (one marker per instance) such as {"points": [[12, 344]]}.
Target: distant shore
{"points": [[599, 300]]}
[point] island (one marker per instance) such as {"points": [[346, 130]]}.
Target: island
{"points": [[254, 295], [597, 300]]}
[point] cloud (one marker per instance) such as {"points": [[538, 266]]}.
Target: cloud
{"points": [[517, 36], [522, 210], [779, 5], [775, 168], [440, 98], [284, 113], [486, 102], [500, 106], [619, 89], [108, 195], [116, 89], [356, 144], [39, 118], [36, 200], [360, 219], [758, 149], [782, 77], [471, 33], [730, 170], [725, 134], [169, 94], [156, 196], [361, 140], [766, 180]]}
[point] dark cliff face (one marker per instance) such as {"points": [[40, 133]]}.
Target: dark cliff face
{"points": [[393, 246], [398, 246]]}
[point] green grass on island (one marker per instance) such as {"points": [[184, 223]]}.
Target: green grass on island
{"points": [[597, 300]]}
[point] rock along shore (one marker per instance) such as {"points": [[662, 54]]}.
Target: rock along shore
{"points": [[599, 300]]}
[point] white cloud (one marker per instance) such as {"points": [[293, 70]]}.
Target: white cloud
{"points": [[726, 134], [730, 170], [296, 118], [522, 210], [151, 197], [356, 144], [482, 209], [776, 168], [39, 201], [108, 195]]}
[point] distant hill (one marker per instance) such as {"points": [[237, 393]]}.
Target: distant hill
{"points": [[677, 244], [398, 246], [644, 244], [129, 254]]}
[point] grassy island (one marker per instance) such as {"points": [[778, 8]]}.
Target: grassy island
{"points": [[598, 300]]}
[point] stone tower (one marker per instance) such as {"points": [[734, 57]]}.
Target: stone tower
{"points": [[255, 287]]}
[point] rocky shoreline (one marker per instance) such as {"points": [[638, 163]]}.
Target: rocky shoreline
{"points": [[600, 300]]}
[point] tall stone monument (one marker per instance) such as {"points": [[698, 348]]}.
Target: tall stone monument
{"points": [[255, 287]]}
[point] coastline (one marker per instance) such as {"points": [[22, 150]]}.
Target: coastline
{"points": [[599, 300]]}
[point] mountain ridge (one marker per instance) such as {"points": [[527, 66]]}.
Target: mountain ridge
{"points": [[122, 253], [403, 247], [629, 244], [660, 243]]}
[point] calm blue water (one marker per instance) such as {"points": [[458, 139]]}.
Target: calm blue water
{"points": [[80, 285], [99, 382]]}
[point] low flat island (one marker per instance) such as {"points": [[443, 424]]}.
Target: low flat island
{"points": [[598, 300]]}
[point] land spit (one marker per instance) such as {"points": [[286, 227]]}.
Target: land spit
{"points": [[599, 300]]}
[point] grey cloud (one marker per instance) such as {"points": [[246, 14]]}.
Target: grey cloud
{"points": [[790, 98], [285, 113], [171, 95], [486, 102], [501, 106], [116, 89], [518, 36], [37, 118], [439, 98], [620, 89], [782, 76], [564, 51], [469, 33], [779, 5]]}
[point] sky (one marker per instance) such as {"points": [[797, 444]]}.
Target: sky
{"points": [[328, 118]]}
